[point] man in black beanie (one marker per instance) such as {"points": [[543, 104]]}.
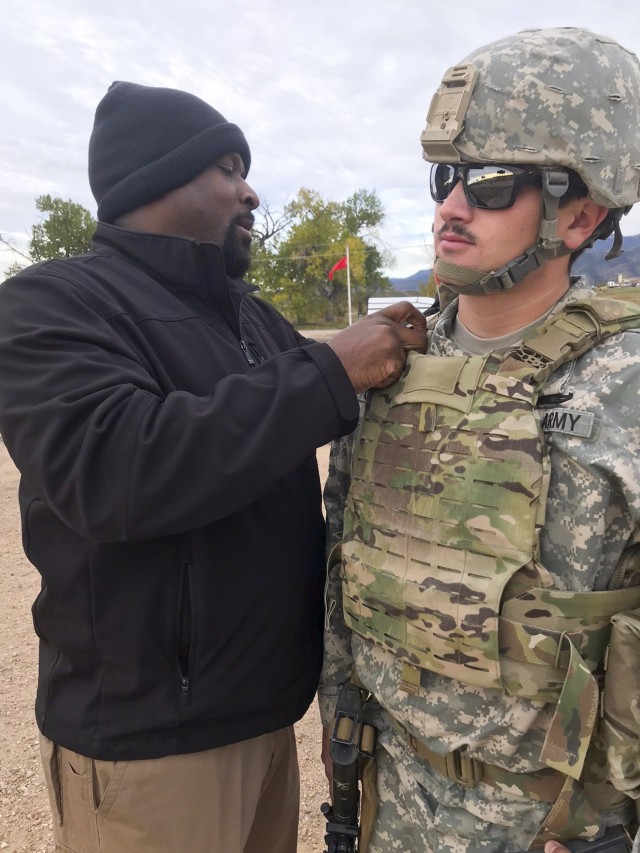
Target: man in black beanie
{"points": [[165, 424]]}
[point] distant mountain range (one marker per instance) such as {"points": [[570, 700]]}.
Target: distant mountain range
{"points": [[591, 264]]}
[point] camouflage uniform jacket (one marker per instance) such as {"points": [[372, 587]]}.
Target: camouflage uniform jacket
{"points": [[592, 518]]}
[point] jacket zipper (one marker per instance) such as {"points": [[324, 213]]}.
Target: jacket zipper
{"points": [[256, 354], [250, 351], [184, 636], [185, 691], [247, 353]]}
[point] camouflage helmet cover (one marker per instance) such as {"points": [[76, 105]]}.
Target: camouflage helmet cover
{"points": [[553, 97]]}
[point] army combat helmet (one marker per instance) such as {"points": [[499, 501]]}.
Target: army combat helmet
{"points": [[554, 99]]}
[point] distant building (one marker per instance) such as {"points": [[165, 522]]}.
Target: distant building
{"points": [[375, 303], [624, 281]]}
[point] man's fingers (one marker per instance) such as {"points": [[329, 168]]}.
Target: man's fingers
{"points": [[407, 322], [413, 338], [373, 350], [405, 313]]}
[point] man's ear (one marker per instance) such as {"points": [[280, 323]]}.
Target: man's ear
{"points": [[578, 220]]}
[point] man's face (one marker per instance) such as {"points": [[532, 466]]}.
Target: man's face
{"points": [[485, 239], [215, 207]]}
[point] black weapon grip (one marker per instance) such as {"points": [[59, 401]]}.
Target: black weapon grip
{"points": [[345, 753]]}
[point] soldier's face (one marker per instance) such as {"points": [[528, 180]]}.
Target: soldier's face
{"points": [[485, 239]]}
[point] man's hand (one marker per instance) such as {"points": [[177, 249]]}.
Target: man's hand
{"points": [[555, 847], [374, 350]]}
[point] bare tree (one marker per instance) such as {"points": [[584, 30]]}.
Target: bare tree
{"points": [[269, 223], [11, 245], [14, 267]]}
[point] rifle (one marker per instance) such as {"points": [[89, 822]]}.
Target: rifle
{"points": [[351, 739]]}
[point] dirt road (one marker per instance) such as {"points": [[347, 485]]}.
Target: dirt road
{"points": [[25, 825]]}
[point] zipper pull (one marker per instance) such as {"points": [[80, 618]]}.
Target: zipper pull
{"points": [[256, 354], [247, 354], [185, 690]]}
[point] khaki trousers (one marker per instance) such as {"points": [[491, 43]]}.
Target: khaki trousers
{"points": [[241, 798]]}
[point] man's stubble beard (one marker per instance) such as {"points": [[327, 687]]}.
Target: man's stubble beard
{"points": [[237, 256]]}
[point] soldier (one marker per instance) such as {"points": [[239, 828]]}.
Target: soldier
{"points": [[492, 522]]}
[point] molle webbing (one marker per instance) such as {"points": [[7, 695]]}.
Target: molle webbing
{"points": [[567, 335]]}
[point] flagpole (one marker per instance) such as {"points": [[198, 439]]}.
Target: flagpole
{"points": [[348, 285]]}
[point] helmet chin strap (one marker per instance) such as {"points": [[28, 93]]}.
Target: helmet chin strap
{"points": [[465, 280]]}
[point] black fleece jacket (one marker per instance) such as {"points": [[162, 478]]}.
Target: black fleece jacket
{"points": [[164, 422]]}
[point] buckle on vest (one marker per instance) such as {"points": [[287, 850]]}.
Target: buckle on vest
{"points": [[463, 769], [457, 766]]}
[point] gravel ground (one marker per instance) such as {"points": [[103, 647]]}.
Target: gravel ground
{"points": [[25, 824]]}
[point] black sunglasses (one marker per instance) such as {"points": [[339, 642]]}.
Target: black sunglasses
{"points": [[493, 187]]}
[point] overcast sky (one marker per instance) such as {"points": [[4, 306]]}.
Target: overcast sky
{"points": [[331, 94]]}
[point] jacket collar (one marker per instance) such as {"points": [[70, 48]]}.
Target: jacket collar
{"points": [[194, 272]]}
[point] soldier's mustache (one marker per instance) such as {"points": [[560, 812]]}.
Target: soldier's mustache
{"points": [[460, 230]]}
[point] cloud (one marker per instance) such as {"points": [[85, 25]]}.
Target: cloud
{"points": [[331, 96]]}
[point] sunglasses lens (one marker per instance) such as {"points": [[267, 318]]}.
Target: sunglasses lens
{"points": [[486, 187], [442, 180], [490, 187]]}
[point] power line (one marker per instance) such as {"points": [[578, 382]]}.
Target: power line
{"points": [[354, 251]]}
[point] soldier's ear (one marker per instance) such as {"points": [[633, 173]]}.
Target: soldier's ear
{"points": [[578, 219]]}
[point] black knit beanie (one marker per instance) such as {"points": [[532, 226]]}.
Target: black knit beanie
{"points": [[147, 141]]}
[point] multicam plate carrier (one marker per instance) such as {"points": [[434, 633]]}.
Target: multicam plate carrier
{"points": [[440, 552]]}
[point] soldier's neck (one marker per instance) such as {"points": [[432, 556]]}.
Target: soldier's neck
{"points": [[491, 315]]}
